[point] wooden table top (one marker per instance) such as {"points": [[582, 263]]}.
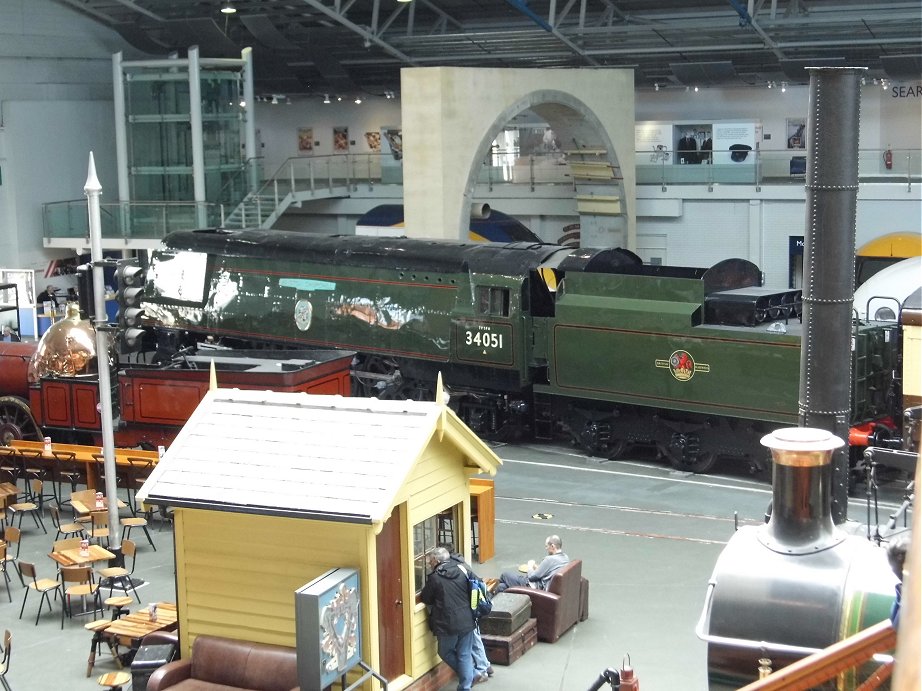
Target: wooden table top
{"points": [[80, 508], [138, 624], [84, 454], [72, 557]]}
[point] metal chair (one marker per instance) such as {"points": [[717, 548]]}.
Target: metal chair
{"points": [[27, 507], [82, 585], [67, 469], [133, 476], [33, 468], [12, 536], [5, 661], [65, 529], [138, 522], [119, 575], [10, 465], [6, 576], [99, 530], [39, 585]]}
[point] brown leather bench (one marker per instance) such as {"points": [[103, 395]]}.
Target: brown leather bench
{"points": [[224, 663]]}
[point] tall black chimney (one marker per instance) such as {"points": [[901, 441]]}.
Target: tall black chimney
{"points": [[829, 259]]}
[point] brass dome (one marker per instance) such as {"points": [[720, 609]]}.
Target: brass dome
{"points": [[67, 348]]}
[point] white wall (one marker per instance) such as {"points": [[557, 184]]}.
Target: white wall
{"points": [[55, 107], [278, 125]]}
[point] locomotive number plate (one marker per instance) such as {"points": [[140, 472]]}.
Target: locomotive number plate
{"points": [[482, 342]]}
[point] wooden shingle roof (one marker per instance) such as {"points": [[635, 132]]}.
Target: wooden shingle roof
{"points": [[302, 455]]}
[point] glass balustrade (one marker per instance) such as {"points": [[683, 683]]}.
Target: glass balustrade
{"points": [[254, 198]]}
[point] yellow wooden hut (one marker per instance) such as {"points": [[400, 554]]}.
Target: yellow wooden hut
{"points": [[271, 490]]}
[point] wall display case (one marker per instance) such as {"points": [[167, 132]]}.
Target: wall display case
{"points": [[696, 152]]}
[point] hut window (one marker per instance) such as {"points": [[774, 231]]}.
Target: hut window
{"points": [[429, 534]]}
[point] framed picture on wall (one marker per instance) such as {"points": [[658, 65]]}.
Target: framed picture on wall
{"points": [[797, 138], [373, 140], [305, 140], [340, 140]]}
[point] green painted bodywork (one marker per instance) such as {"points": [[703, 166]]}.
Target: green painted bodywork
{"points": [[610, 344]]}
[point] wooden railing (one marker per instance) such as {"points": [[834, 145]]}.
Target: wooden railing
{"points": [[826, 664]]}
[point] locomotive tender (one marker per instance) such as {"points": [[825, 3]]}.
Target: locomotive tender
{"points": [[530, 338]]}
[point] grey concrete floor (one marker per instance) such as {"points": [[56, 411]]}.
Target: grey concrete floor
{"points": [[648, 537]]}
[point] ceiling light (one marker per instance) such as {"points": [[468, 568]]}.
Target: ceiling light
{"points": [[229, 8]]}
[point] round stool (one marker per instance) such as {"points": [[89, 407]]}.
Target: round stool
{"points": [[114, 680], [119, 605]]}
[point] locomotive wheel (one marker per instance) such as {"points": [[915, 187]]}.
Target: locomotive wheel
{"points": [[16, 421], [616, 448], [699, 463], [374, 376]]}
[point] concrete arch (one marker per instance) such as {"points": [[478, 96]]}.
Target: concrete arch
{"points": [[451, 115]]}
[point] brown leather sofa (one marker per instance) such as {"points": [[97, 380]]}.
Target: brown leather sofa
{"points": [[225, 664], [563, 603]]}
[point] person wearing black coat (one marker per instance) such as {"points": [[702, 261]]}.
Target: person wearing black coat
{"points": [[483, 670], [450, 616]]}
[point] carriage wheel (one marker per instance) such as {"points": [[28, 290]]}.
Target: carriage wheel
{"points": [[16, 421]]}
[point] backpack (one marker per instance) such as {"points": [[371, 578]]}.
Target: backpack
{"points": [[481, 605]]}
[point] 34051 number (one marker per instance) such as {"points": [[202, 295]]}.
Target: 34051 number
{"points": [[483, 339]]}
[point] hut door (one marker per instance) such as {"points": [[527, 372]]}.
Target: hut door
{"points": [[390, 597]]}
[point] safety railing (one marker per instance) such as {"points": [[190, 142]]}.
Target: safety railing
{"points": [[126, 220], [308, 177], [845, 656]]}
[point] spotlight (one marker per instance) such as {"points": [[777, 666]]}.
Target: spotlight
{"points": [[228, 8], [656, 86], [326, 98], [784, 87], [242, 104], [358, 100], [696, 89], [339, 98]]}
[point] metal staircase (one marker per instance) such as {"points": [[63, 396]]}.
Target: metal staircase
{"points": [[301, 179]]}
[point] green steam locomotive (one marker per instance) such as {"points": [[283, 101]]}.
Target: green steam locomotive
{"points": [[532, 340]]}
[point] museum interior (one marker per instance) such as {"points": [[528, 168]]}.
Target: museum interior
{"points": [[624, 296]]}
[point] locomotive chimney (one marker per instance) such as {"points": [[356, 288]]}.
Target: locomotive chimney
{"points": [[829, 260], [801, 520]]}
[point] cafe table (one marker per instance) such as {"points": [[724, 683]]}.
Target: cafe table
{"points": [[74, 557], [130, 629]]}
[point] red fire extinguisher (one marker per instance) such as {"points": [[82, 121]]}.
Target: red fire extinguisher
{"points": [[888, 159]]}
